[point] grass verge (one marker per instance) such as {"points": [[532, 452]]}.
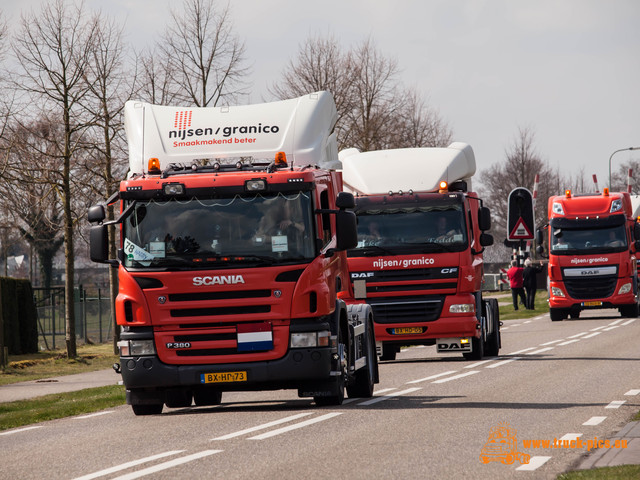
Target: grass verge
{"points": [[49, 407], [623, 472], [54, 363]]}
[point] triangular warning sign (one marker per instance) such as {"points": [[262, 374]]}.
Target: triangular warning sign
{"points": [[520, 231]]}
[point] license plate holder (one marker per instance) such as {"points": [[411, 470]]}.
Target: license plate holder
{"points": [[223, 377], [407, 331]]}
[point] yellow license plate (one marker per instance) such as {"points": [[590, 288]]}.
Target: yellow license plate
{"points": [[223, 377], [592, 304], [407, 330]]}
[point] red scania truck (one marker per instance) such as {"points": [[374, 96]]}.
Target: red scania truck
{"points": [[418, 262], [232, 263], [592, 254]]}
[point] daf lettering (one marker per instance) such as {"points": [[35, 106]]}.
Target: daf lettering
{"points": [[362, 275], [218, 280]]}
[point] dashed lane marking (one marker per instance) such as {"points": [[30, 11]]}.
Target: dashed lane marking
{"points": [[591, 335], [503, 362], [167, 465], [535, 352], [534, 463], [616, 404], [522, 351], [633, 392], [306, 423], [593, 421], [570, 436], [474, 365], [456, 377], [391, 395], [263, 426], [568, 342], [551, 342], [437, 375], [124, 466]]}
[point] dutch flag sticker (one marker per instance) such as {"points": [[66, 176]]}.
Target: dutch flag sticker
{"points": [[254, 337]]}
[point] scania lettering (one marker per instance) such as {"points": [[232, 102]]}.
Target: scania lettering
{"points": [[592, 245], [232, 266], [422, 232]]}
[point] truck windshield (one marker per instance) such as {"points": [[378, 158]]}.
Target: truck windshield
{"points": [[412, 229], [588, 241], [223, 232]]}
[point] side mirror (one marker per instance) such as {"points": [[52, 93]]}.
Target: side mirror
{"points": [[486, 239], [345, 200], [346, 230], [484, 219], [96, 214], [539, 237], [98, 244], [636, 231]]}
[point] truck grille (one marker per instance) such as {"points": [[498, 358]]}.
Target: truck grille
{"points": [[590, 288], [407, 309]]}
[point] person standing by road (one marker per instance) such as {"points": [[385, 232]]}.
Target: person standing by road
{"points": [[529, 282], [514, 274]]}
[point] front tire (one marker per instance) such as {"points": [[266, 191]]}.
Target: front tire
{"points": [[147, 409], [363, 385], [557, 314]]}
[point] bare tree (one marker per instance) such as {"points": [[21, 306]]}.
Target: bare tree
{"points": [[110, 85], [522, 163], [53, 49], [156, 84], [201, 49], [28, 191], [374, 110]]}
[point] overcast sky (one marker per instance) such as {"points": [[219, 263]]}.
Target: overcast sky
{"points": [[567, 69]]}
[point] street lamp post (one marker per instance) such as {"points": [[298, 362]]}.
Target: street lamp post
{"points": [[628, 149]]}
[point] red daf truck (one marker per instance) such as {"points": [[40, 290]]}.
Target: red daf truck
{"points": [[418, 262], [232, 265], [592, 242]]}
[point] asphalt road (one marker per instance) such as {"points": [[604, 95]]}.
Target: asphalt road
{"points": [[430, 418]]}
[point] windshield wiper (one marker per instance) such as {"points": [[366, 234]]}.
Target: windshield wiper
{"points": [[370, 250]]}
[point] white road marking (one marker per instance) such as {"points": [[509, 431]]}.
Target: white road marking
{"points": [[124, 466], [616, 404], [569, 342], [597, 328], [629, 321], [578, 335], [616, 322], [18, 430], [522, 351], [570, 436], [594, 421], [591, 335], [610, 328], [262, 427], [534, 463], [482, 362], [384, 390], [503, 362], [551, 342], [633, 392], [92, 415], [456, 377], [391, 395], [306, 423], [432, 377], [166, 465], [535, 352]]}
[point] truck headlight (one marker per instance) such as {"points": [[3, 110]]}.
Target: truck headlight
{"points": [[310, 339], [462, 308], [131, 348], [626, 288], [556, 292]]}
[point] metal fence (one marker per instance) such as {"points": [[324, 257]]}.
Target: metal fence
{"points": [[93, 317]]}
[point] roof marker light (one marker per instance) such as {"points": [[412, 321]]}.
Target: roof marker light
{"points": [[281, 159], [154, 165], [444, 186], [605, 192], [567, 193]]}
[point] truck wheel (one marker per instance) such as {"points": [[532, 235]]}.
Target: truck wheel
{"points": [[557, 314], [629, 311], [388, 352], [338, 397], [147, 409], [477, 349], [178, 398], [362, 387], [204, 397], [492, 347]]}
